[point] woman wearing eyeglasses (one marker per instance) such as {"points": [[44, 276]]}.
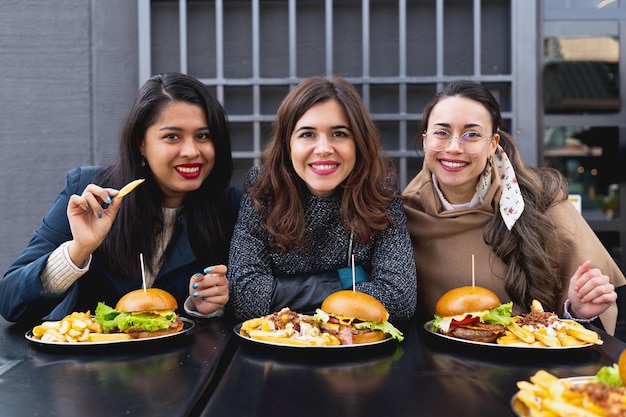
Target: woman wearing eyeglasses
{"points": [[477, 213]]}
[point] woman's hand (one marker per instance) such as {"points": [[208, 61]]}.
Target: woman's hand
{"points": [[209, 291], [89, 222], [590, 292]]}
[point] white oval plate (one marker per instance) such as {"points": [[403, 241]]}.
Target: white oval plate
{"points": [[187, 326], [237, 329], [429, 325]]}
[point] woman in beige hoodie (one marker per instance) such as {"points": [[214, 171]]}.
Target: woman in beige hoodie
{"points": [[475, 203]]}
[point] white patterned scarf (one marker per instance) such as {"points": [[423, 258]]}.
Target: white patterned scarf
{"points": [[511, 201]]}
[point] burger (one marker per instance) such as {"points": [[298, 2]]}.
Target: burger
{"points": [[141, 313], [472, 313], [355, 318]]}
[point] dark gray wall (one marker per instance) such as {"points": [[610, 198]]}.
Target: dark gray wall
{"points": [[68, 71]]}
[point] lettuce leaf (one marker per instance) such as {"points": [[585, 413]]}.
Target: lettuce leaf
{"points": [[609, 375], [499, 315], [384, 327], [113, 320]]}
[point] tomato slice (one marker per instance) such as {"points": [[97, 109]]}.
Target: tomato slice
{"points": [[467, 320]]}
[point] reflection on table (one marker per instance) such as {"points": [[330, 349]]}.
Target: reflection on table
{"points": [[422, 376], [159, 378], [212, 372]]}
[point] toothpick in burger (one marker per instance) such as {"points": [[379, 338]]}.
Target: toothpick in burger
{"points": [[471, 313], [355, 318], [141, 313]]}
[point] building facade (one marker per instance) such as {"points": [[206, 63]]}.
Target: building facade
{"points": [[73, 66]]}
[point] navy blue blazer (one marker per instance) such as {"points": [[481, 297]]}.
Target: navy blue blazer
{"points": [[21, 292]]}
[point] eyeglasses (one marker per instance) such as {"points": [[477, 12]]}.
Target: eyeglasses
{"points": [[470, 142]]}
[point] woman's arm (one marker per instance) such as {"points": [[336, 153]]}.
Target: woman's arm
{"points": [[393, 278], [585, 245], [22, 295], [249, 271]]}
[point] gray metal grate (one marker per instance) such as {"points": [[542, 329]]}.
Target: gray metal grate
{"points": [[397, 53]]}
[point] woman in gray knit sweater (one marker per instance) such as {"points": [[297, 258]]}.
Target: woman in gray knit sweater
{"points": [[324, 197]]}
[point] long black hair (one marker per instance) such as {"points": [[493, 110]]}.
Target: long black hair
{"points": [[140, 218]]}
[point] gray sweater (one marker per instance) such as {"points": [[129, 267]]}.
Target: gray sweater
{"points": [[387, 258]]}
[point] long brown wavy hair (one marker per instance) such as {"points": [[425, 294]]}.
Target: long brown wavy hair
{"points": [[531, 247], [279, 193]]}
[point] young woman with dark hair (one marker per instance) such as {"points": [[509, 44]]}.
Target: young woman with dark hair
{"points": [[476, 197], [180, 219]]}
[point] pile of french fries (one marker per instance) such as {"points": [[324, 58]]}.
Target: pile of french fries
{"points": [[560, 332], [74, 328], [288, 328], [548, 396]]}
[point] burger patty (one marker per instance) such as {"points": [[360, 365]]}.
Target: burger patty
{"points": [[479, 332]]}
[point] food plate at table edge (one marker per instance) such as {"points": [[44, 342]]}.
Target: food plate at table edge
{"points": [[237, 329], [429, 324], [521, 410], [188, 324]]}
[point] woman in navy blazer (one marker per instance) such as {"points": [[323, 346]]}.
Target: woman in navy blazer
{"points": [[180, 219]]}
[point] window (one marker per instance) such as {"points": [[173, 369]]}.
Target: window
{"points": [[397, 54]]}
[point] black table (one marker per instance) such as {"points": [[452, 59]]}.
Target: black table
{"points": [[211, 372], [166, 378], [424, 375]]}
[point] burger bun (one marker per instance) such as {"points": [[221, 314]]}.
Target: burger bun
{"points": [[357, 305], [465, 300], [368, 337], [152, 299]]}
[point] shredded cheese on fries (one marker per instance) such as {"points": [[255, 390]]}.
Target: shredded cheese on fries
{"points": [[289, 328], [548, 396], [540, 328]]}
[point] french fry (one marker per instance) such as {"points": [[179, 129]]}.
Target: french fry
{"points": [[580, 332], [536, 305], [250, 325], [547, 396], [74, 328], [543, 378], [561, 408], [569, 340], [509, 339], [107, 337], [542, 335], [280, 328], [523, 334], [549, 331], [128, 188], [322, 340]]}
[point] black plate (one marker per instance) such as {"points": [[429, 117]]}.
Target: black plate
{"points": [[187, 326]]}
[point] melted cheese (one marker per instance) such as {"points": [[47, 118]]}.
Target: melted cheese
{"points": [[446, 322]]}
